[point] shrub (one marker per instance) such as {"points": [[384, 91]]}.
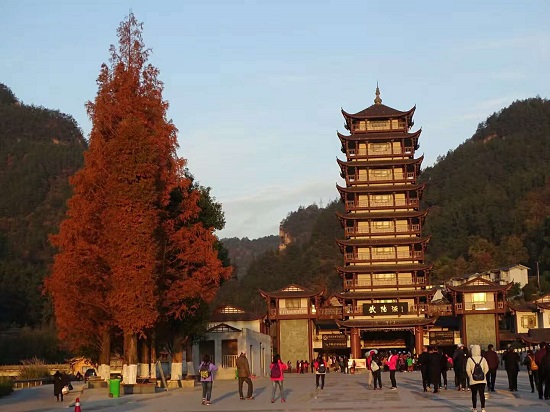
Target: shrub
{"points": [[34, 369], [6, 386]]}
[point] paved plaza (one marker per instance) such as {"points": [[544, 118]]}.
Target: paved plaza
{"points": [[342, 393]]}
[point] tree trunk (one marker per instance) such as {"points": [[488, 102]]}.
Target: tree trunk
{"points": [[130, 358], [153, 370], [191, 373], [104, 369], [145, 357], [177, 359]]}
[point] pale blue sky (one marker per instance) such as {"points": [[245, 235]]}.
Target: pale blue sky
{"points": [[255, 87]]}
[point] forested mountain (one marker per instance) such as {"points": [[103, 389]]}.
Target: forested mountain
{"points": [[243, 251], [489, 199], [39, 150], [488, 202]]}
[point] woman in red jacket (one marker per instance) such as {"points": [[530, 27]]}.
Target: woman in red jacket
{"points": [[392, 365], [277, 367]]}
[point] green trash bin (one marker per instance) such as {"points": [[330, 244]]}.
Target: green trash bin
{"points": [[114, 388]]}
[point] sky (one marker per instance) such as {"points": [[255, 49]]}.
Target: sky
{"points": [[256, 87]]}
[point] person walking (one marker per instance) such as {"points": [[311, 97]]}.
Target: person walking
{"points": [[444, 367], [58, 385], [392, 366], [540, 375], [459, 365], [206, 370], [243, 375], [476, 370], [492, 360], [511, 364], [277, 378], [423, 364], [376, 368], [369, 370], [320, 371], [532, 369], [544, 373], [434, 365]]}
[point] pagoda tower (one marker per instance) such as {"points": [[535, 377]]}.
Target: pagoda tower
{"points": [[385, 278]]}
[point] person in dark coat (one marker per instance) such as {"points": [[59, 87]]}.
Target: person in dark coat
{"points": [[423, 364], [540, 375], [243, 374], [434, 361], [511, 364], [444, 367], [459, 365], [544, 374], [492, 360], [58, 384]]}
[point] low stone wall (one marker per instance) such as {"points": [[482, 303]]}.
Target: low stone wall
{"points": [[14, 371]]}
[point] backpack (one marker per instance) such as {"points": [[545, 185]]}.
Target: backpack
{"points": [[533, 365], [276, 370], [477, 374], [204, 370], [449, 362], [322, 367]]}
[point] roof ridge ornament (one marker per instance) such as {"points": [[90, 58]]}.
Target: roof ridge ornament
{"points": [[377, 100]]}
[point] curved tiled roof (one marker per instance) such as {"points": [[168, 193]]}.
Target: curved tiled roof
{"points": [[385, 323], [384, 241], [380, 189], [378, 111], [380, 135], [383, 268], [374, 163], [388, 215], [379, 294]]}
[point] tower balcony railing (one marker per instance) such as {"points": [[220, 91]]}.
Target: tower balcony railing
{"points": [[417, 254], [331, 313], [365, 283], [431, 309], [362, 153], [274, 312], [363, 205], [479, 306], [397, 229], [354, 179]]}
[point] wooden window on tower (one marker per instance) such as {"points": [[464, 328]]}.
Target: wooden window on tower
{"points": [[528, 322], [480, 297], [380, 174], [380, 148], [293, 303], [361, 126], [381, 200]]}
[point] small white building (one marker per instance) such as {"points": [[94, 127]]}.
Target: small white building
{"points": [[503, 276], [232, 330]]}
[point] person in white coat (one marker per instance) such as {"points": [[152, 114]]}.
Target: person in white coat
{"points": [[477, 380]]}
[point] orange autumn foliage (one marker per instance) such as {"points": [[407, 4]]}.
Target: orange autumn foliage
{"points": [[128, 253]]}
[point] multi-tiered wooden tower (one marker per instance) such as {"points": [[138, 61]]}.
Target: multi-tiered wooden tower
{"points": [[385, 276]]}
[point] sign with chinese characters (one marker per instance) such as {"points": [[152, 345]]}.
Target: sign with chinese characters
{"points": [[335, 341], [442, 338], [377, 309]]}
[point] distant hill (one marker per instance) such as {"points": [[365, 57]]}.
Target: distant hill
{"points": [[243, 251], [39, 149]]}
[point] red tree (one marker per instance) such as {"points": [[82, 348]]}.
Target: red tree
{"points": [[154, 254]]}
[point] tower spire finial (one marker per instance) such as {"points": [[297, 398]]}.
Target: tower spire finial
{"points": [[377, 100]]}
